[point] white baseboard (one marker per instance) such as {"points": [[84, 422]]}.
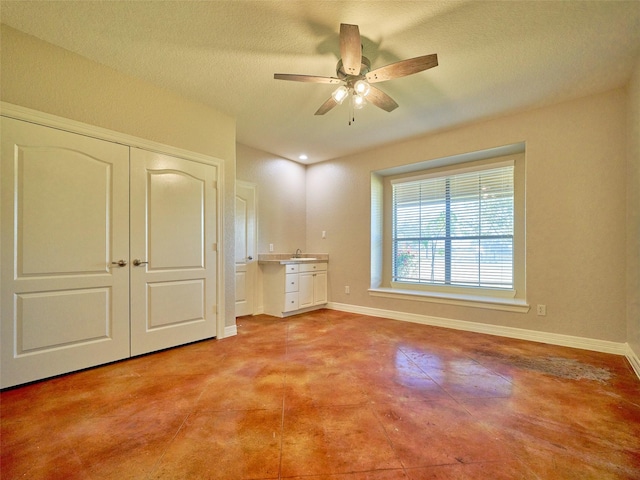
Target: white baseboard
{"points": [[634, 359], [230, 331], [511, 332]]}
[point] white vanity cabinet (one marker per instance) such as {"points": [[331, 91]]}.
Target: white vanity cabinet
{"points": [[312, 288], [294, 287]]}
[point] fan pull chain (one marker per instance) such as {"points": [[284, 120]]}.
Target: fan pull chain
{"points": [[352, 115]]}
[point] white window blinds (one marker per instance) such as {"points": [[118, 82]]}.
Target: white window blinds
{"points": [[455, 228]]}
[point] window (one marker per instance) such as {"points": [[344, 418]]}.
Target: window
{"points": [[455, 228], [452, 230]]}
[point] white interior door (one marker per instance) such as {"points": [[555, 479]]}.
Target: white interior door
{"points": [[246, 255], [173, 234], [64, 218]]}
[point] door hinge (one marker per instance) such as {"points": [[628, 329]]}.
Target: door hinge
{"points": [[214, 247]]}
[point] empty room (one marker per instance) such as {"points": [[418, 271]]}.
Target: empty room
{"points": [[305, 239]]}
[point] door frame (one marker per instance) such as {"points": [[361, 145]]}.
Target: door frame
{"points": [[73, 126]]}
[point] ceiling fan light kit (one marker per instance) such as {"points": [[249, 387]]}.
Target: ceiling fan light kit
{"points": [[354, 75], [358, 101], [340, 94], [361, 87]]}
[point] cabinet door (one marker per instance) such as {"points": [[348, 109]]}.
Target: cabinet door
{"points": [[173, 231], [320, 288], [305, 289], [65, 219]]}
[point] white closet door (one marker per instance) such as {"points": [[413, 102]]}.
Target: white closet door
{"points": [[65, 211], [173, 231]]}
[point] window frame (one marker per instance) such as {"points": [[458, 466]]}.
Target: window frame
{"points": [[381, 239]]}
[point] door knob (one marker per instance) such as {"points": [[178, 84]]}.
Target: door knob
{"points": [[137, 262], [120, 263]]}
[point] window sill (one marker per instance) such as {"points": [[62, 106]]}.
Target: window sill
{"points": [[504, 304]]}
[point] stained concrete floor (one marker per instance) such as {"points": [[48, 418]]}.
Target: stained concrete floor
{"points": [[332, 395]]}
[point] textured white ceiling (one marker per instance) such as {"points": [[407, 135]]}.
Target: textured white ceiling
{"points": [[494, 57]]}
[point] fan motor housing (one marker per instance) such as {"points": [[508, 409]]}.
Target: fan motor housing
{"points": [[365, 67]]}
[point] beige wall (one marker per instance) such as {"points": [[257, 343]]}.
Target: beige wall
{"points": [[281, 202], [575, 227], [633, 215], [47, 78]]}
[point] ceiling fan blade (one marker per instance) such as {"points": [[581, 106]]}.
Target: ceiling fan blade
{"points": [[381, 99], [350, 48], [306, 78], [402, 68], [326, 106]]}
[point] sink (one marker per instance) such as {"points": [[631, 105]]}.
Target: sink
{"points": [[302, 259]]}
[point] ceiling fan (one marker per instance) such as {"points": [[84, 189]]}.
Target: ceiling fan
{"points": [[354, 74]]}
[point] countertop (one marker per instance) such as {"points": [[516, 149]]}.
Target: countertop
{"points": [[287, 258]]}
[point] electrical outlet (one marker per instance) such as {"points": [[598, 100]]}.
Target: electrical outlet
{"points": [[347, 290], [542, 310], [324, 234], [271, 247]]}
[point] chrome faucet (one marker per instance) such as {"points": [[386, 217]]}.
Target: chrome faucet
{"points": [[297, 254]]}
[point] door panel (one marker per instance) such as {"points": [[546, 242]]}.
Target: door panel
{"points": [[51, 240], [38, 333], [173, 303], [65, 208], [173, 232], [175, 209], [245, 241]]}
